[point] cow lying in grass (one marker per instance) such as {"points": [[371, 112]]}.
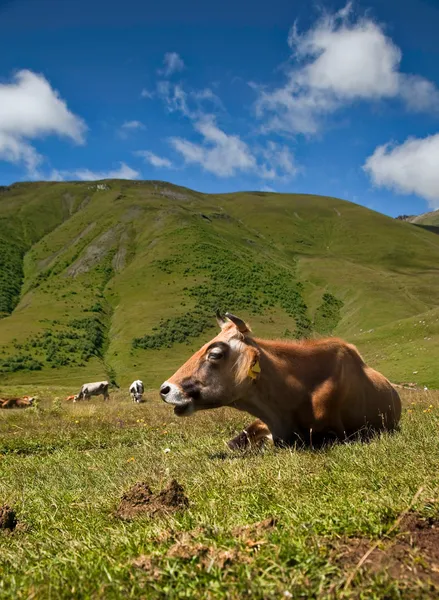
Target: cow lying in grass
{"points": [[24, 402], [308, 391]]}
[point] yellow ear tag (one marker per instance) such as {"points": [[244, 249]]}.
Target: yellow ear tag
{"points": [[254, 370]]}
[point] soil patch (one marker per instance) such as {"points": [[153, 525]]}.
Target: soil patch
{"points": [[140, 500], [207, 555], [8, 519], [255, 529], [148, 564], [413, 554]]}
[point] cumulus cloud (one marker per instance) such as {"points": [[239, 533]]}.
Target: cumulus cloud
{"points": [[16, 150], [220, 153], [29, 109], [408, 168], [419, 93], [156, 161], [172, 63], [122, 172], [225, 155], [339, 60]]}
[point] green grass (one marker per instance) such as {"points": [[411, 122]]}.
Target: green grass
{"points": [[152, 261], [64, 467]]}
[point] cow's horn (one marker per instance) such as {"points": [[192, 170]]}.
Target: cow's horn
{"points": [[238, 322], [220, 319]]}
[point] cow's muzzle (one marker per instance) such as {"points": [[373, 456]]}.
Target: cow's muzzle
{"points": [[172, 394]]}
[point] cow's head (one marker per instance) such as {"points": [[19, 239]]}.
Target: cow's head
{"points": [[218, 374]]}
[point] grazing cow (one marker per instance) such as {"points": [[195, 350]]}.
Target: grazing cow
{"points": [[308, 390], [24, 402], [136, 391], [93, 389]]}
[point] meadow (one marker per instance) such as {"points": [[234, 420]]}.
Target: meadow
{"points": [[121, 280], [276, 523]]}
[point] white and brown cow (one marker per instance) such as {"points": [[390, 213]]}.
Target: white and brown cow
{"points": [[308, 390], [88, 390]]}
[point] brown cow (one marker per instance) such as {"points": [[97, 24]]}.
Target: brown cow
{"points": [[24, 402], [306, 390]]}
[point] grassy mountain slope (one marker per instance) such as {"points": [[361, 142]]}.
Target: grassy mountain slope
{"points": [[430, 218], [121, 279]]}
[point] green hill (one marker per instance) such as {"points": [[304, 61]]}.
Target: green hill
{"points": [[121, 279], [430, 218]]}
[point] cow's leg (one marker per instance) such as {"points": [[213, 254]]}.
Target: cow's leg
{"points": [[252, 436]]}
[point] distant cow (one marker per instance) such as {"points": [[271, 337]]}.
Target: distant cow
{"points": [[24, 402], [136, 391], [93, 389], [70, 398], [307, 391]]}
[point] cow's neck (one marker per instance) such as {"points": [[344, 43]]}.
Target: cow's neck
{"points": [[271, 397]]}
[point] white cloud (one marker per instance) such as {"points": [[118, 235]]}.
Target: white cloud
{"points": [[338, 61], [122, 172], [30, 108], [279, 163], [189, 103], [16, 150], [129, 127], [221, 154], [408, 168], [419, 93], [172, 64], [133, 125], [146, 93], [174, 97], [155, 160]]}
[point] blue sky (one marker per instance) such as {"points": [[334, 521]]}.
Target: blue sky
{"points": [[331, 98]]}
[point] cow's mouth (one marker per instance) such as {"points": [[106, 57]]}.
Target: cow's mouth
{"points": [[184, 410]]}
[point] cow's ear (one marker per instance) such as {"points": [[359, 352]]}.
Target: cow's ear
{"points": [[220, 319], [254, 368], [240, 324]]}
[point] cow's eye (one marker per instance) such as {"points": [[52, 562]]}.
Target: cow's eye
{"points": [[216, 354]]}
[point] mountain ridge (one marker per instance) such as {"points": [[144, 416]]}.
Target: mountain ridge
{"points": [[121, 279]]}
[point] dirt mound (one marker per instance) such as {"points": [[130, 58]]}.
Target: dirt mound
{"points": [[8, 520], [413, 554], [141, 500]]}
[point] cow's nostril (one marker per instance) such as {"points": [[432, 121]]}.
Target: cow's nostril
{"points": [[164, 390]]}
